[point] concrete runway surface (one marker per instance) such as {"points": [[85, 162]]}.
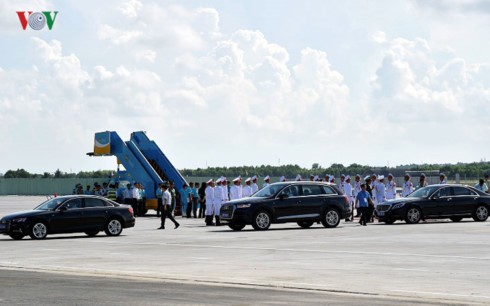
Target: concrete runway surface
{"points": [[436, 262]]}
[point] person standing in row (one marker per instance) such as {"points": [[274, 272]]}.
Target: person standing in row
{"points": [[195, 199], [236, 190], [422, 181], [267, 181], [407, 186], [255, 187], [247, 189], [370, 209], [202, 200], [442, 179], [209, 202], [217, 200], [166, 208], [380, 190], [159, 195], [357, 189], [225, 190], [342, 182], [482, 186], [349, 195], [391, 188]]}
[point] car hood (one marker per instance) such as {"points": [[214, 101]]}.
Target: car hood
{"points": [[401, 200], [21, 214], [246, 200]]}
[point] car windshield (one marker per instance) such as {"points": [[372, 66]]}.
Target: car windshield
{"points": [[268, 191], [423, 192], [50, 204]]}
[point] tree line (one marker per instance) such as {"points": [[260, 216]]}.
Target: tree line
{"points": [[474, 170]]}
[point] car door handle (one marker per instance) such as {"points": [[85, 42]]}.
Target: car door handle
{"points": [[449, 199]]}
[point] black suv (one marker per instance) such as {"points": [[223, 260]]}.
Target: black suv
{"points": [[302, 202]]}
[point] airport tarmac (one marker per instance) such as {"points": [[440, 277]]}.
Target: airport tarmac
{"points": [[435, 262]]}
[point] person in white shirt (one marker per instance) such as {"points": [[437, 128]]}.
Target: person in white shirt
{"points": [[282, 179], [422, 181], [298, 178], [349, 195], [218, 200], [166, 208], [407, 186], [380, 190], [236, 190], [255, 187], [209, 192], [267, 181], [374, 182], [327, 178], [342, 182], [442, 179], [391, 187], [332, 179], [481, 186], [247, 189]]}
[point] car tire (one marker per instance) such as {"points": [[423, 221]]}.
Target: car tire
{"points": [[92, 233], [262, 221], [305, 224], [456, 219], [113, 227], [480, 214], [413, 215], [16, 236], [388, 221], [331, 218], [38, 230], [236, 226]]}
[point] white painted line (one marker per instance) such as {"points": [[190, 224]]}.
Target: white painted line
{"points": [[416, 270], [444, 293], [294, 250]]}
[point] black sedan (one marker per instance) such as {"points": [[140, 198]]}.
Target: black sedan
{"points": [[300, 202], [437, 202], [69, 214]]}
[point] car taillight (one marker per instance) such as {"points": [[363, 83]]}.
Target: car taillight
{"points": [[130, 211], [347, 201]]}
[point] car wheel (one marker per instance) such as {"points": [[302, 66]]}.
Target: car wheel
{"points": [[331, 217], [16, 236], [261, 221], [38, 230], [413, 215], [456, 219], [236, 226], [480, 214], [92, 233], [113, 227], [389, 221], [305, 224]]}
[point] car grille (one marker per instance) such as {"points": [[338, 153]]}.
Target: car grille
{"points": [[383, 207], [226, 211]]}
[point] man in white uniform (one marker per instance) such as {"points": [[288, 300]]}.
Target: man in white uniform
{"points": [[255, 187], [332, 179], [348, 193], [380, 190], [209, 192], [407, 186], [247, 189], [298, 178], [282, 179], [267, 181], [391, 187], [236, 190], [442, 179], [217, 200], [327, 178], [224, 188], [374, 182], [342, 182]]}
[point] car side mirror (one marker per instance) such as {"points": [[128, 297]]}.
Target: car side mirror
{"points": [[63, 209]]}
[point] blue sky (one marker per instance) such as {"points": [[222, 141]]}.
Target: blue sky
{"points": [[226, 83]]}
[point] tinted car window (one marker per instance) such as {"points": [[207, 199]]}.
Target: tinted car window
{"points": [[443, 192], [291, 191], [458, 191], [328, 190], [312, 190], [73, 204], [92, 202]]}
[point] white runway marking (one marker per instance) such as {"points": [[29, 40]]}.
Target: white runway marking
{"points": [[295, 250], [416, 270], [444, 294]]}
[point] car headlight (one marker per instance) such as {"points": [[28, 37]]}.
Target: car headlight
{"points": [[399, 205], [243, 205], [19, 220]]}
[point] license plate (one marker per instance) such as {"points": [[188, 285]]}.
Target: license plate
{"points": [[381, 213], [225, 215], [3, 226]]}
